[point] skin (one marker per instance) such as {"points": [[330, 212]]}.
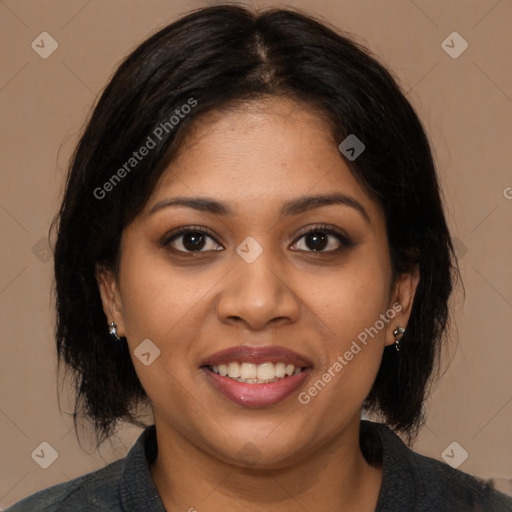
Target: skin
{"points": [[192, 305]]}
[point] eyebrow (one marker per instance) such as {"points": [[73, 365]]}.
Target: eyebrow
{"points": [[289, 208]]}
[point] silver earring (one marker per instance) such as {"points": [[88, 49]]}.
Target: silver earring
{"points": [[112, 330], [397, 332]]}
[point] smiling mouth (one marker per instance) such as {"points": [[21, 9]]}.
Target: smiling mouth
{"points": [[251, 373]]}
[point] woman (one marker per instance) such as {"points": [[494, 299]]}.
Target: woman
{"points": [[252, 241]]}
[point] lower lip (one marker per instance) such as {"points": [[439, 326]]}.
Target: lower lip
{"points": [[256, 395]]}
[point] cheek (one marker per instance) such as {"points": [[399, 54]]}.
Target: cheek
{"points": [[350, 298], [170, 306], [157, 305], [156, 296], [350, 304]]}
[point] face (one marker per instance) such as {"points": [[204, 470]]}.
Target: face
{"points": [[250, 275]]}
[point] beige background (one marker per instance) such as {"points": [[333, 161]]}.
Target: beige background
{"points": [[465, 104]]}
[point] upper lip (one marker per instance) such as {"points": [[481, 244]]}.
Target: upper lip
{"points": [[257, 355]]}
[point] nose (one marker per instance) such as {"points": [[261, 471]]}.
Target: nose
{"points": [[257, 295]]}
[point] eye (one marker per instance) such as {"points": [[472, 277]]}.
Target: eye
{"points": [[191, 240], [322, 239]]}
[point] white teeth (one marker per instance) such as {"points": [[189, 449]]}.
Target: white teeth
{"points": [[234, 370], [248, 371], [280, 370], [251, 373], [265, 371]]}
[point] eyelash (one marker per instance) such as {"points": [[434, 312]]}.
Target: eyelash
{"points": [[344, 240]]}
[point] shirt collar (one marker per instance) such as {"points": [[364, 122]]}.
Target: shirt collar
{"points": [[138, 491], [398, 473]]}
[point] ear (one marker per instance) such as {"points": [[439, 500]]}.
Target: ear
{"points": [[110, 298], [402, 298]]}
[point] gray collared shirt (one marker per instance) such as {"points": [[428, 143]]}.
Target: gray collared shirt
{"points": [[410, 482]]}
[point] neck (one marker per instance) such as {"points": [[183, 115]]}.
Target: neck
{"points": [[333, 477]]}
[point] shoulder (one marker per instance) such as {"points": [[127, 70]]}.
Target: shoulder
{"points": [[428, 484], [456, 489], [92, 492], [125, 484]]}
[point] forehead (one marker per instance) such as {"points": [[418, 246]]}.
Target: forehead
{"points": [[262, 153]]}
